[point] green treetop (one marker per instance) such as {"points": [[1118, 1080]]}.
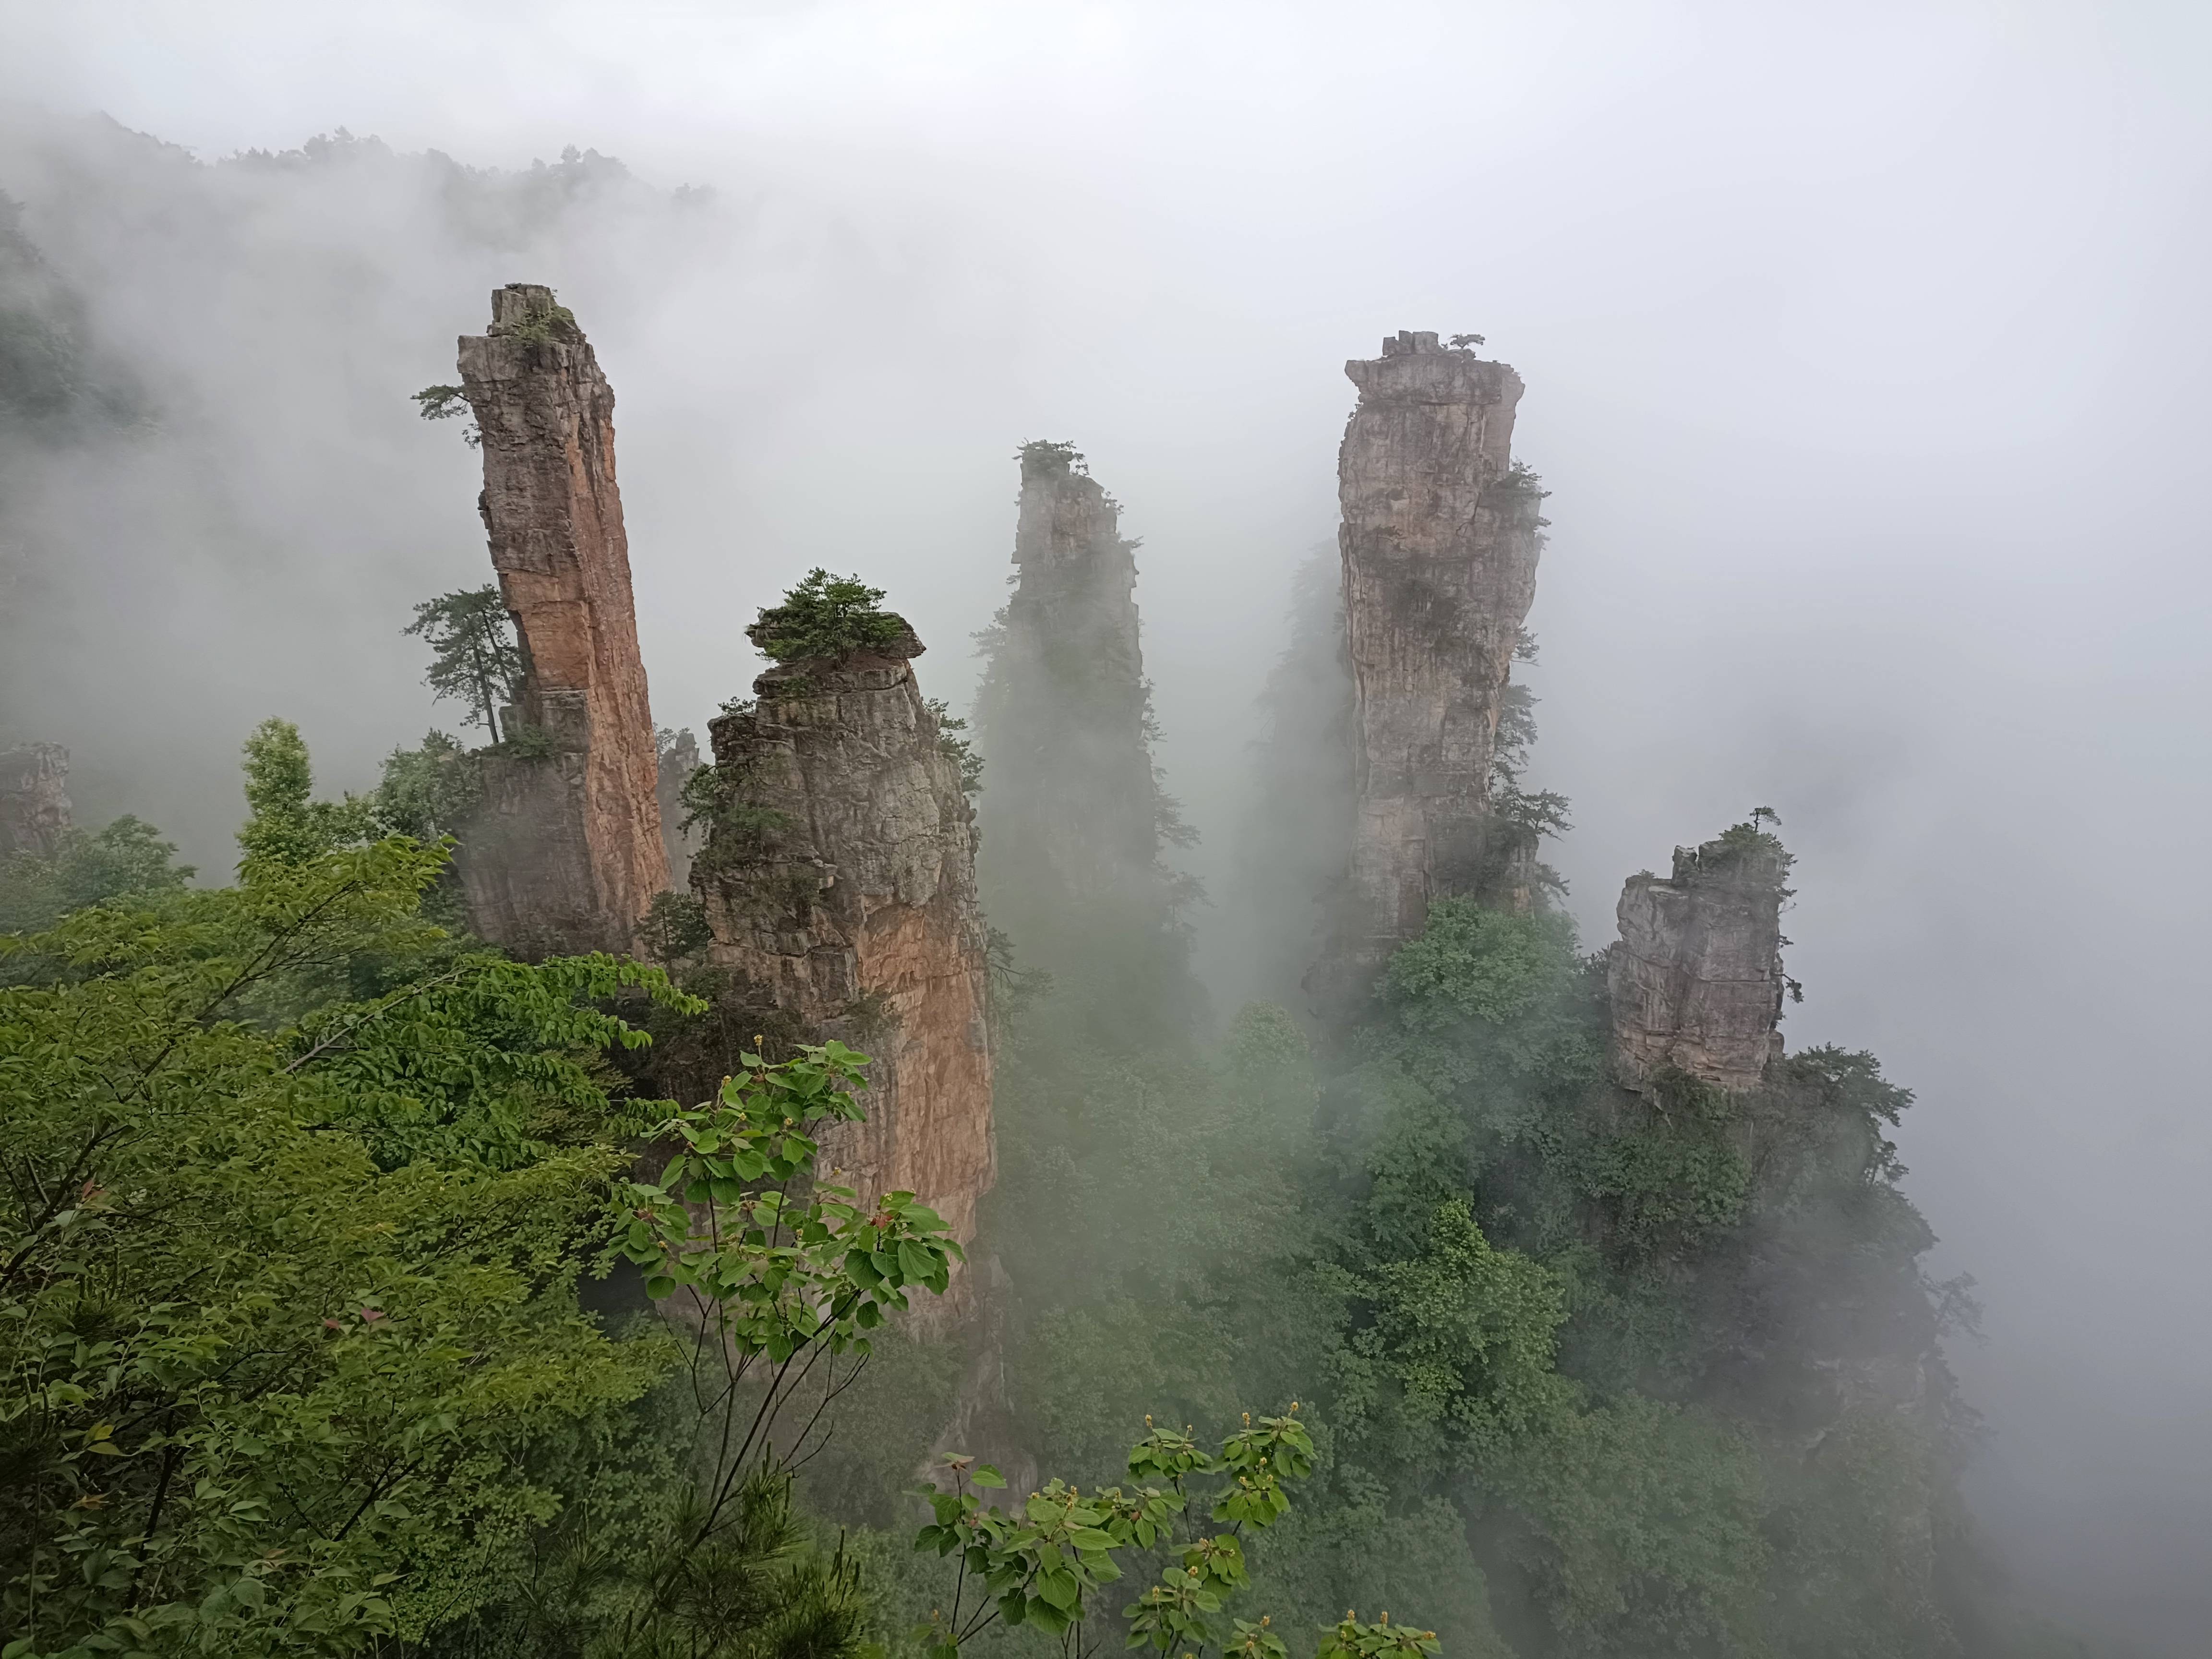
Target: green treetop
{"points": [[826, 616], [475, 659]]}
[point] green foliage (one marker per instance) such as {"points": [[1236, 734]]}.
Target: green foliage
{"points": [[1039, 1565], [441, 403], [54, 384], [761, 1590], [475, 656], [1472, 963], [676, 928], [288, 1289], [1042, 457], [826, 617], [286, 826], [427, 792], [1448, 1355], [445, 402], [87, 867], [526, 741], [779, 1277], [1353, 1640], [774, 1274], [299, 1195], [545, 320], [955, 748], [1573, 1339], [1633, 1528], [1519, 479]]}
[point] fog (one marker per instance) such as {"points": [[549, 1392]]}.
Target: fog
{"points": [[1864, 347]]}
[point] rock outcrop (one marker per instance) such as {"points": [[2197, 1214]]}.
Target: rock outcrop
{"points": [[34, 803], [1064, 711], [1696, 979], [1439, 542], [565, 852], [838, 881], [1072, 816], [679, 759]]}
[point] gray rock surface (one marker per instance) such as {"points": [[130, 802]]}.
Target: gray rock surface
{"points": [[34, 803], [1072, 815], [679, 758], [838, 879], [1696, 979], [1439, 540], [1071, 805]]}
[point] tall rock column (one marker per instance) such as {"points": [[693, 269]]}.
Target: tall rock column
{"points": [[839, 884], [1696, 980], [1439, 542], [679, 758], [34, 803], [1073, 816], [566, 852]]}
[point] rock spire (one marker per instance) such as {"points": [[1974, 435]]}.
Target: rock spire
{"points": [[1439, 541], [565, 852], [1696, 980], [838, 880], [34, 803], [1072, 816]]}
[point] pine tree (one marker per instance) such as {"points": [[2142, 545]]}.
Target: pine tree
{"points": [[476, 660]]}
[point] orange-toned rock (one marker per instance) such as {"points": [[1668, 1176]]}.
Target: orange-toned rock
{"points": [[565, 852], [839, 881]]}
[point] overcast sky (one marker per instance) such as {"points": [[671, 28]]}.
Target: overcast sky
{"points": [[1865, 352]]}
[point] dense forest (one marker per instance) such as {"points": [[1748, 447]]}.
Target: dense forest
{"points": [[582, 1198]]}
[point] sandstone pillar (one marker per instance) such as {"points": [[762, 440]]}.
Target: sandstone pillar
{"points": [[34, 803], [1696, 980], [1063, 708], [679, 759], [1439, 541], [839, 882], [1073, 816], [565, 852]]}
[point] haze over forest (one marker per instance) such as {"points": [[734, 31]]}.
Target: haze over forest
{"points": [[1864, 349]]}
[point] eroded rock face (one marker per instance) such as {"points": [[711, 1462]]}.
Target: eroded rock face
{"points": [[1072, 816], [839, 882], [34, 803], [566, 854], [679, 758], [1439, 542], [1696, 979], [1064, 710]]}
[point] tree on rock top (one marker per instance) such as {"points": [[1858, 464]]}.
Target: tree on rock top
{"points": [[828, 616]]}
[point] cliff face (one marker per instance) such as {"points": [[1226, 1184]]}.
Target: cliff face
{"points": [[34, 803], [679, 758], [1696, 980], [565, 852], [838, 880], [1065, 716], [1073, 817], [1439, 544]]}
